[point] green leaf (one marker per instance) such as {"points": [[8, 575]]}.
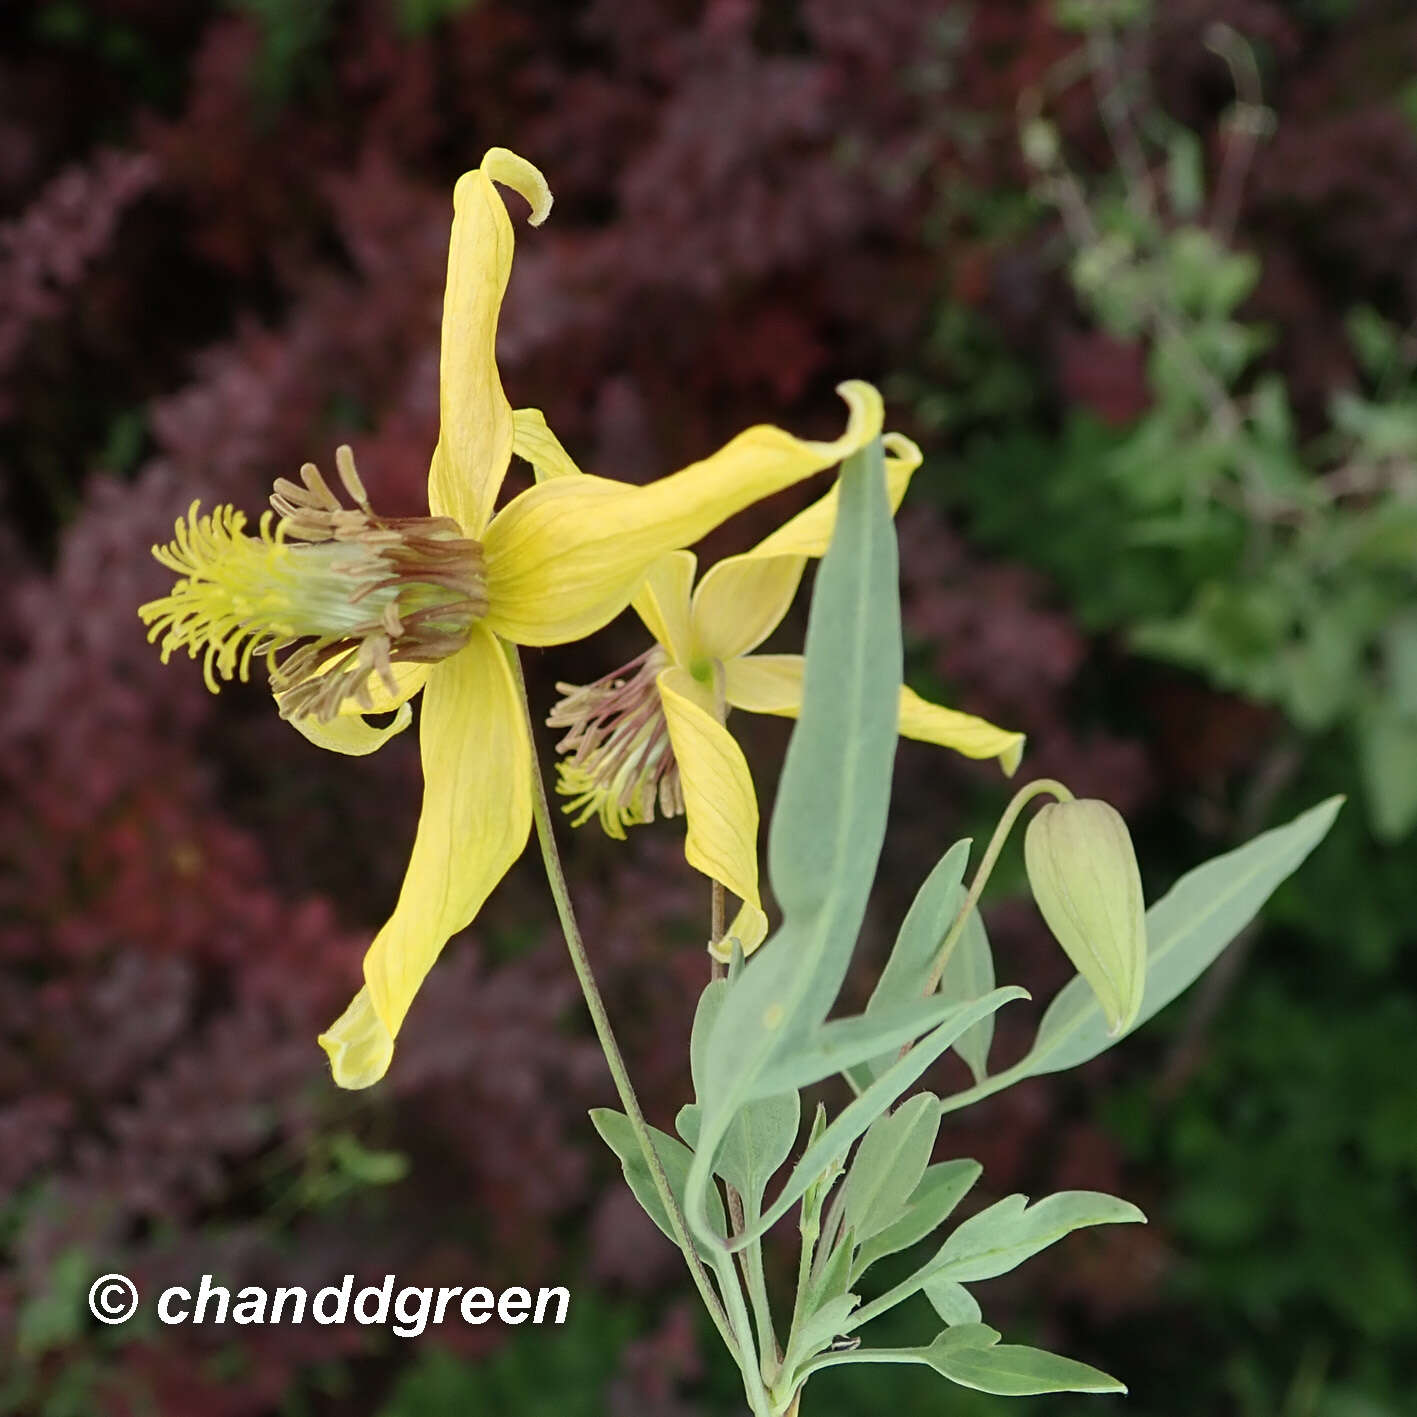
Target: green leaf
{"points": [[760, 1137], [889, 1164], [842, 1044], [710, 1002], [831, 808], [952, 1340], [953, 1302], [1010, 1231], [921, 934], [823, 1325], [860, 1113], [941, 1189], [614, 1127], [1186, 929], [1002, 1237], [1011, 1370], [835, 1275], [969, 974], [757, 1143]]}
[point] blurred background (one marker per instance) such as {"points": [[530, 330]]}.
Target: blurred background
{"points": [[1139, 277]]}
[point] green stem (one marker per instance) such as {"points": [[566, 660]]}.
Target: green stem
{"points": [[1021, 798], [556, 878], [748, 1362], [770, 1355]]}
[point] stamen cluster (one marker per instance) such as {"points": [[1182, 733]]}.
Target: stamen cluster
{"points": [[346, 592], [621, 761]]}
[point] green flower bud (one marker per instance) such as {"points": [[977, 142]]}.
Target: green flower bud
{"points": [[1084, 876]]}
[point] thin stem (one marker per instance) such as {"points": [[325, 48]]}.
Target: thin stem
{"points": [[1021, 798], [751, 1259], [811, 1230], [556, 878], [717, 968], [769, 1350], [717, 922]]}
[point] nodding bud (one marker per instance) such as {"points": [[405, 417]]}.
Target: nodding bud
{"points": [[1083, 872]]}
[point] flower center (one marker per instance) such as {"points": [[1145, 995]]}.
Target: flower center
{"points": [[339, 592], [620, 761]]}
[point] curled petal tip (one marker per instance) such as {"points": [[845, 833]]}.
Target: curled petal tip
{"points": [[359, 1046], [1012, 756], [867, 411], [906, 451], [514, 171]]}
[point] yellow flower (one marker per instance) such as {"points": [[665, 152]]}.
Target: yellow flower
{"points": [[651, 734], [367, 610]]}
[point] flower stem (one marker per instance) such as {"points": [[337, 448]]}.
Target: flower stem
{"points": [[717, 968], [556, 878], [1024, 795]]}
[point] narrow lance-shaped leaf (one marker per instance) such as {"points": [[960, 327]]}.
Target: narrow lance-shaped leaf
{"points": [[941, 1189], [1011, 1370], [831, 809], [972, 1356], [953, 1302], [860, 1113], [842, 1044], [1010, 1231], [889, 1163], [1002, 1237], [913, 954], [969, 974], [762, 1133]]}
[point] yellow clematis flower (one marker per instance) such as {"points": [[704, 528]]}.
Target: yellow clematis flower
{"points": [[652, 735], [365, 611]]}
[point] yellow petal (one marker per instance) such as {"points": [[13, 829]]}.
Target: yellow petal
{"points": [[966, 734], [749, 929], [765, 683], [359, 1046], [720, 807], [476, 815], [741, 601], [475, 435], [534, 441], [567, 556], [350, 733], [772, 683], [409, 677], [810, 531], [662, 602]]}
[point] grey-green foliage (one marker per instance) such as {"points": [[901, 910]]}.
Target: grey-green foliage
{"points": [[863, 1175], [889, 1164]]}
